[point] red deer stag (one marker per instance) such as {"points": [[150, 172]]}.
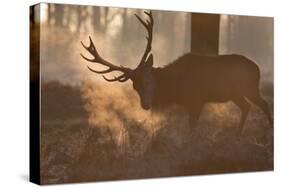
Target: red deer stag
{"points": [[190, 81]]}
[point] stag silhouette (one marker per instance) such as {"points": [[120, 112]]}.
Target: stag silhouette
{"points": [[191, 81]]}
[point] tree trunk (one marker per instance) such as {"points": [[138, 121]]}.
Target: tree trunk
{"points": [[205, 33], [58, 13], [187, 33], [125, 32], [96, 19]]}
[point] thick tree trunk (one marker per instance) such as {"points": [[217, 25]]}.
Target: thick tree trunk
{"points": [[205, 33]]}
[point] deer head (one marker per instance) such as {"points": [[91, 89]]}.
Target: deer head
{"points": [[142, 77]]}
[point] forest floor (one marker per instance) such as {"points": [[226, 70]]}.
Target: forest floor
{"points": [[74, 151]]}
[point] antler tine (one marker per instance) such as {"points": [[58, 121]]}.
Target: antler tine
{"points": [[149, 23], [149, 27], [89, 49], [142, 22], [92, 50], [100, 72], [87, 59], [150, 17], [121, 78], [99, 60]]}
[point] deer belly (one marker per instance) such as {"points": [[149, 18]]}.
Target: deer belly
{"points": [[213, 93]]}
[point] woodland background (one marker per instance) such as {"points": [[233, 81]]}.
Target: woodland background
{"points": [[80, 144]]}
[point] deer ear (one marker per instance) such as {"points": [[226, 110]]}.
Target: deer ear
{"points": [[149, 61]]}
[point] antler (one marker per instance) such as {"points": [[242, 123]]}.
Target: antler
{"points": [[148, 24], [99, 60]]}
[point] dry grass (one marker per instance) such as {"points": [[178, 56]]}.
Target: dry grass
{"points": [[73, 149]]}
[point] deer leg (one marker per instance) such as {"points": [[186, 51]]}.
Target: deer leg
{"points": [[256, 98], [244, 107], [261, 103]]}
